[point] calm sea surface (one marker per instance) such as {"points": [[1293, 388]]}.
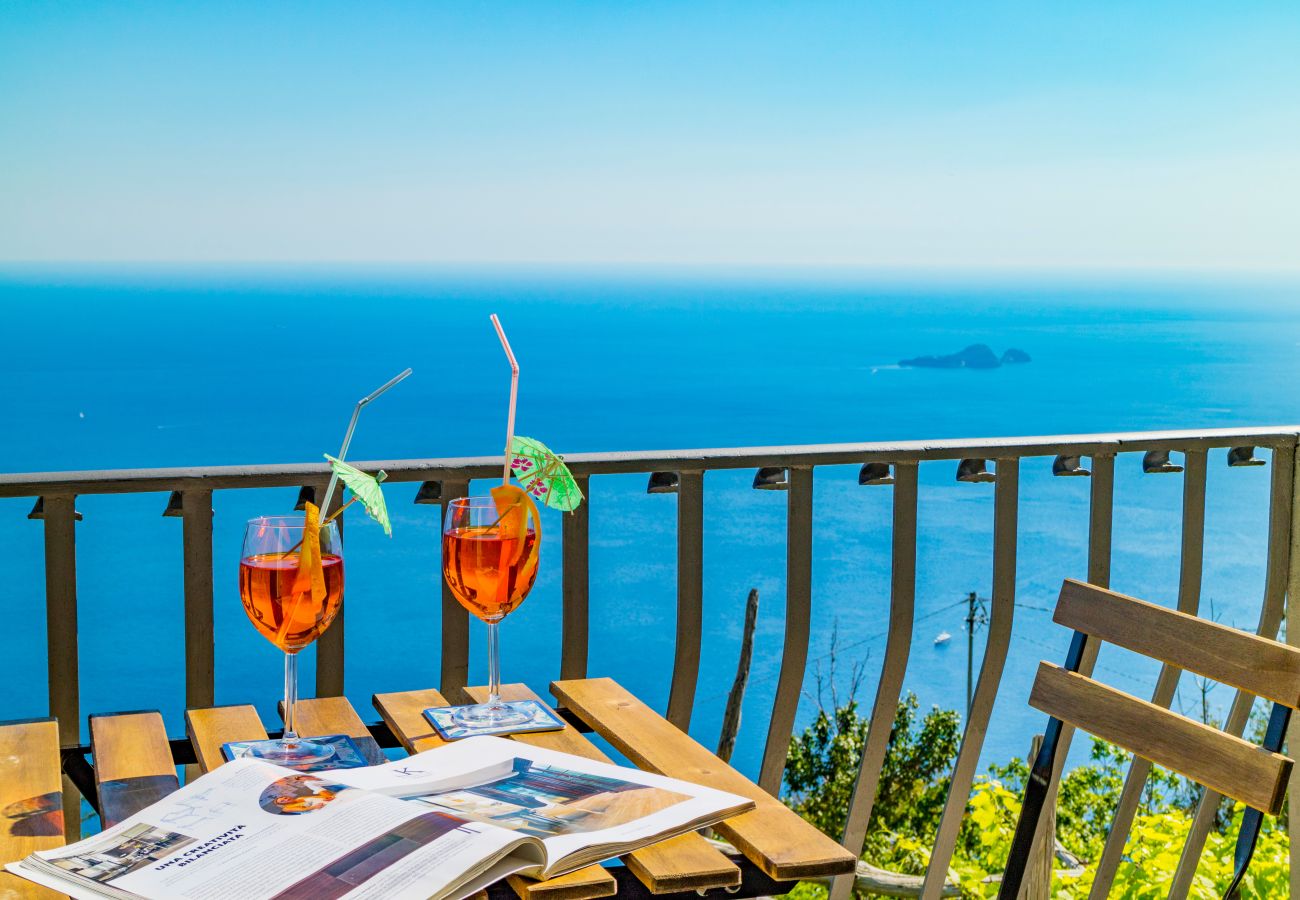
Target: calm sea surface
{"points": [[169, 367]]}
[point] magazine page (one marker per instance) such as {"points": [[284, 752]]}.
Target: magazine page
{"points": [[257, 831], [573, 805]]}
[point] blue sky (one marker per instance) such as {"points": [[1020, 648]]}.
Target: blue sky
{"points": [[976, 135]]}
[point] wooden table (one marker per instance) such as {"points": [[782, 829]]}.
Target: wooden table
{"points": [[134, 765]]}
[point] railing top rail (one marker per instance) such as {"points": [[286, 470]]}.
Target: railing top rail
{"points": [[120, 481]]}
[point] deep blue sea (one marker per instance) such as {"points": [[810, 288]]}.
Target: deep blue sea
{"points": [[106, 368]]}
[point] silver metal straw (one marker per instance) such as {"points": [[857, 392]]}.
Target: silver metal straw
{"points": [[352, 426]]}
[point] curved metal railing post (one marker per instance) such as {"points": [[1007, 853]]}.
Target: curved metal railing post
{"points": [[454, 664], [330, 653], [1270, 619], [798, 615], [1189, 599], [1005, 517], [60, 521], [200, 649], [575, 585], [902, 605], [1293, 638], [690, 597], [1101, 507]]}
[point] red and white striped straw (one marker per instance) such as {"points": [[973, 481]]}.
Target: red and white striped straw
{"points": [[514, 396]]}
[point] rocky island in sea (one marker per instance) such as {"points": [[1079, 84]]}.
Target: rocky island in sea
{"points": [[976, 356]]}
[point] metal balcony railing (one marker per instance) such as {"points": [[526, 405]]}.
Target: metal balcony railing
{"points": [[781, 468]]}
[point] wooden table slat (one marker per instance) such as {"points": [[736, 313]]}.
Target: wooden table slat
{"points": [[335, 715], [404, 713], [682, 863], [133, 763], [210, 728], [31, 800], [583, 884], [772, 836]]}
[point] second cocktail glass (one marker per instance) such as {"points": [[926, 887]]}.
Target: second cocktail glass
{"points": [[281, 603], [489, 558]]}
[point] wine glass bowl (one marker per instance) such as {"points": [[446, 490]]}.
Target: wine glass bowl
{"points": [[281, 602], [489, 570], [276, 593]]}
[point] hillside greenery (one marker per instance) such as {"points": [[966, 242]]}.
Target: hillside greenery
{"points": [[823, 764]]}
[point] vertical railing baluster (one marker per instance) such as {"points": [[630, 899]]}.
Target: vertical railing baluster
{"points": [[1101, 520], [329, 646], [798, 615], [196, 540], [902, 603], [60, 519], [1270, 619], [455, 620], [575, 534], [1101, 505], [1006, 502], [1189, 599], [690, 597]]}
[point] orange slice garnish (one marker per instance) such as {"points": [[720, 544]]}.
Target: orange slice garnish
{"points": [[311, 569], [515, 513]]}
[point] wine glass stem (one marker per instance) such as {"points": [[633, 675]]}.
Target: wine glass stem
{"points": [[494, 666], [290, 697]]}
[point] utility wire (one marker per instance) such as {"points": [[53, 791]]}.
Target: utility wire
{"points": [[842, 647], [768, 679]]}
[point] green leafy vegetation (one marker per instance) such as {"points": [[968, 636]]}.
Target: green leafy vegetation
{"points": [[823, 765]]}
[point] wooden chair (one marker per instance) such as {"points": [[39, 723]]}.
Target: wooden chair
{"points": [[1255, 775]]}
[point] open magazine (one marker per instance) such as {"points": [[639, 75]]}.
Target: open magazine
{"points": [[444, 823]]}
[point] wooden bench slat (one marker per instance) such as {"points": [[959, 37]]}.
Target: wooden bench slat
{"points": [[404, 713], [1252, 663], [31, 800], [582, 884], [133, 763], [1233, 767], [210, 728], [772, 836], [335, 715], [682, 863]]}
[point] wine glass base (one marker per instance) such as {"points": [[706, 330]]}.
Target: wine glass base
{"points": [[492, 716], [290, 753]]}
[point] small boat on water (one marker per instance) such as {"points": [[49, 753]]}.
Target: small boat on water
{"points": [[942, 638]]}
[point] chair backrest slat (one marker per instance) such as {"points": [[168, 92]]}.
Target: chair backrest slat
{"points": [[1233, 767], [1254, 664]]}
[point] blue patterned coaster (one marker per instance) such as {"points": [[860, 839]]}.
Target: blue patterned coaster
{"points": [[346, 755], [539, 719]]}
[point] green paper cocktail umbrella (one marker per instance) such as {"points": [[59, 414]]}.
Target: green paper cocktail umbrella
{"points": [[543, 474], [364, 488]]}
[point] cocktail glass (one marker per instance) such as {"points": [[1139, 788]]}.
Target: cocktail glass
{"points": [[489, 559], [280, 603]]}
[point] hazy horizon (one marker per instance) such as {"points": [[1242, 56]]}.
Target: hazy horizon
{"points": [[1004, 136]]}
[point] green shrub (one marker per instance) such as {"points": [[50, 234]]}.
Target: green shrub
{"points": [[822, 770]]}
